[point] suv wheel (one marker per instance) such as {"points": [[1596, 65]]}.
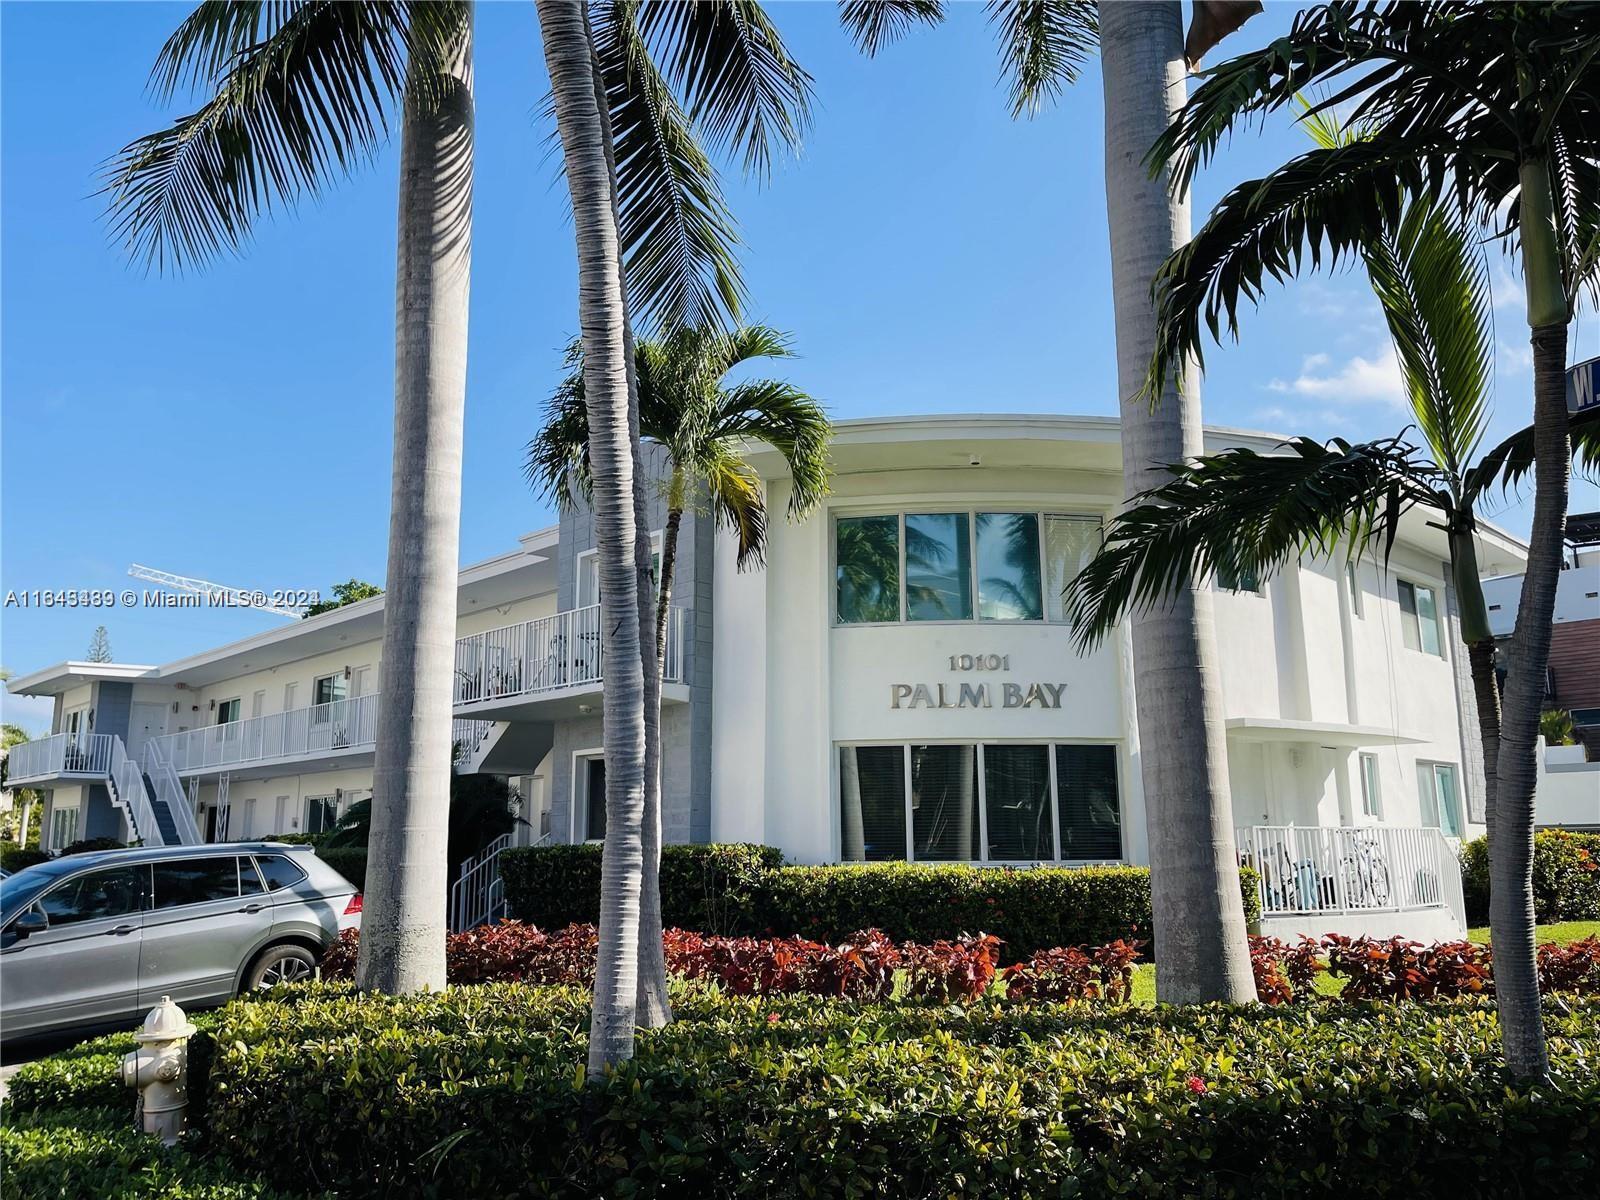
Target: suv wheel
{"points": [[281, 964]]}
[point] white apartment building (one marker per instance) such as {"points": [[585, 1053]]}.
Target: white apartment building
{"points": [[896, 683]]}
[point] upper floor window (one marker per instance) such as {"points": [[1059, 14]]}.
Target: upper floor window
{"points": [[1419, 617], [1238, 580], [227, 711], [328, 689], [588, 581], [958, 566]]}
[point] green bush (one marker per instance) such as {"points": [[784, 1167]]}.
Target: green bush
{"points": [[1566, 877], [14, 857], [743, 888], [90, 845], [349, 861], [480, 1092], [710, 889]]}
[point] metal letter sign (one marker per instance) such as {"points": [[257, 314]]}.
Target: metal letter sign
{"points": [[1583, 385]]}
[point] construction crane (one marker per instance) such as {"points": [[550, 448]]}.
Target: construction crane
{"points": [[220, 595]]}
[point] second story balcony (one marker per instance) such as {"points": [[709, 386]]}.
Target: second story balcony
{"points": [[65, 756], [334, 733], [547, 667]]}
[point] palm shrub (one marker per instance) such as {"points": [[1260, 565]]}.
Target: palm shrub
{"points": [[1489, 110]]}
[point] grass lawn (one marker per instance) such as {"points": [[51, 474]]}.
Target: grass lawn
{"points": [[1562, 932]]}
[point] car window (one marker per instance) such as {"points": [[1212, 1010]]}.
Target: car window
{"points": [[112, 892], [278, 871], [249, 881], [195, 880]]}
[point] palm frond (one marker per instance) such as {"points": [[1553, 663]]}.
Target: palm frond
{"points": [[789, 420], [872, 24], [678, 236], [1043, 46], [1243, 512], [556, 462], [1510, 462], [1316, 210], [727, 62], [301, 95], [737, 501]]}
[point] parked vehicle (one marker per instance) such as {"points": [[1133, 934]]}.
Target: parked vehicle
{"points": [[97, 939]]}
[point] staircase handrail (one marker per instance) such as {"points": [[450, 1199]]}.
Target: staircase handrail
{"points": [[169, 790], [127, 785]]}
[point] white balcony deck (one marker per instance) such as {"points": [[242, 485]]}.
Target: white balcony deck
{"points": [[334, 733], [85, 756], [526, 670]]}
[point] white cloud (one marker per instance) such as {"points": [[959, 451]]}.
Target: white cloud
{"points": [[1310, 422], [1357, 380]]}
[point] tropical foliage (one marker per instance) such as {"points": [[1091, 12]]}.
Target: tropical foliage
{"points": [[351, 591]]}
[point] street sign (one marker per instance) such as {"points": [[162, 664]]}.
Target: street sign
{"points": [[1583, 385]]}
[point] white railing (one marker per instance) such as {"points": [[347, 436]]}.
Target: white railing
{"points": [[169, 791], [127, 787], [1371, 868], [546, 655], [466, 736], [299, 732], [478, 895], [60, 754]]}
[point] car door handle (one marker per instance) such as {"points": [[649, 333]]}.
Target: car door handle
{"points": [[252, 908], [121, 929]]}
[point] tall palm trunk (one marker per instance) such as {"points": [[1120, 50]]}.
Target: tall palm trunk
{"points": [[403, 929], [1511, 916], [1200, 936], [602, 319], [1479, 640]]}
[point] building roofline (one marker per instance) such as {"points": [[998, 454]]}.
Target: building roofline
{"points": [[73, 672]]}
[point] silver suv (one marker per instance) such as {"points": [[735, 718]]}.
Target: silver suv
{"points": [[97, 939]]}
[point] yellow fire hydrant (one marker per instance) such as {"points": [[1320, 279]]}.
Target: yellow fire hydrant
{"points": [[160, 1070]]}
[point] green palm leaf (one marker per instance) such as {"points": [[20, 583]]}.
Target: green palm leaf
{"points": [[1043, 46], [1244, 512], [1510, 462], [875, 23]]}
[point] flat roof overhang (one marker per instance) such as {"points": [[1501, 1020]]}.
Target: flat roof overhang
{"points": [[273, 768], [1332, 734], [581, 700]]}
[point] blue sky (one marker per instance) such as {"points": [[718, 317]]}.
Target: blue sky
{"points": [[927, 253]]}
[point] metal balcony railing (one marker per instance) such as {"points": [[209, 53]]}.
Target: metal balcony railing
{"points": [[61, 754], [297, 733], [547, 654]]}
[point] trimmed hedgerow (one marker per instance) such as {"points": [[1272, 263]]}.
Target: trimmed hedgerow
{"points": [[349, 861], [1566, 877], [743, 889], [16, 858], [480, 1092], [717, 888]]}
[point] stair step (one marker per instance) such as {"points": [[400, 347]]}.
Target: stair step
{"points": [[168, 827]]}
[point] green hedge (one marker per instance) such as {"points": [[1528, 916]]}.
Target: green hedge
{"points": [[710, 889], [349, 861], [741, 888], [1566, 877], [14, 857], [478, 1092]]}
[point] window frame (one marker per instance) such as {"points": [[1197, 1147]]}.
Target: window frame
{"points": [[331, 800], [588, 562], [984, 860], [1352, 581], [150, 887], [997, 507], [237, 710], [146, 895], [1431, 799], [1414, 617], [579, 790], [1371, 785], [1237, 587]]}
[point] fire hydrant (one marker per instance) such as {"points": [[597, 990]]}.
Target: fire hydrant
{"points": [[160, 1070]]}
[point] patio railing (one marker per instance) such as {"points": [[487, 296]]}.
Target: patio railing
{"points": [[87, 754], [297, 733], [1370, 868]]}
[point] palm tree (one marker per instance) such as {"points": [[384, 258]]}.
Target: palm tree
{"points": [[684, 406], [299, 94], [1198, 917], [1491, 109]]}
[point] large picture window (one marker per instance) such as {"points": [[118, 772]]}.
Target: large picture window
{"points": [[1001, 802], [958, 566]]}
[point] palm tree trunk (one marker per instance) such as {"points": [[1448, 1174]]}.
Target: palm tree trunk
{"points": [[602, 319], [1200, 936], [403, 927], [1479, 639], [669, 565], [1511, 915]]}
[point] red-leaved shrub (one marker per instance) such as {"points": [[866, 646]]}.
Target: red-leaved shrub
{"points": [[1400, 969], [1571, 968], [959, 970], [1069, 974], [1286, 973]]}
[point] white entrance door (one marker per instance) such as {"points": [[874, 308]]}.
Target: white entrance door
{"points": [[145, 721]]}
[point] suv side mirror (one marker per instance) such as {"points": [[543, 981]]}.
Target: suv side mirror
{"points": [[28, 923]]}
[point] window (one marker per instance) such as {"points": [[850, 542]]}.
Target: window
{"points": [[1419, 617], [328, 689], [867, 569], [63, 827], [944, 804], [1008, 567], [938, 567], [1016, 791], [227, 711], [194, 881], [872, 802], [1436, 783], [979, 802], [95, 895], [588, 583], [1352, 581], [594, 798], [1236, 579], [1370, 806], [1091, 814], [278, 871], [1069, 544], [322, 812], [249, 878]]}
